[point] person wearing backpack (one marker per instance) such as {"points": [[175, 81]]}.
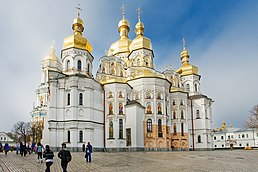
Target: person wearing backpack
{"points": [[65, 157], [48, 155], [39, 152], [88, 152]]}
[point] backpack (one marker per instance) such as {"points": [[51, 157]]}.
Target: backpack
{"points": [[66, 155]]}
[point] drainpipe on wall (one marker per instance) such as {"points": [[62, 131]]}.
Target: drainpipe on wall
{"points": [[104, 115], [192, 122]]}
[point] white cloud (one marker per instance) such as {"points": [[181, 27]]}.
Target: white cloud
{"points": [[27, 28]]}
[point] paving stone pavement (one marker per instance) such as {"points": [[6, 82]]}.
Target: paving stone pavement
{"points": [[199, 161]]}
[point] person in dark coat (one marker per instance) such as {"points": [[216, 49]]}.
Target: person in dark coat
{"points": [[6, 148], [65, 157], [88, 152], [48, 155], [22, 149]]}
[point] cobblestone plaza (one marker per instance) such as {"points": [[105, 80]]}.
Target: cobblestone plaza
{"points": [[236, 160]]}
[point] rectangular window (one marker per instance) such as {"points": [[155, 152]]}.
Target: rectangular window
{"points": [[182, 129], [68, 136], [222, 137], [228, 137], [243, 136], [246, 135], [215, 138], [120, 129]]}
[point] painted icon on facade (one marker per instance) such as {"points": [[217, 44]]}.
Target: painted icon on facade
{"points": [[121, 109], [110, 109], [148, 105]]}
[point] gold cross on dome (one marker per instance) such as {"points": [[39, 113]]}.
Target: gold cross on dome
{"points": [[78, 10], [139, 13], [184, 43], [123, 10]]}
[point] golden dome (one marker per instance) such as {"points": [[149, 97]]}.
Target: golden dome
{"points": [[77, 40], [122, 45], [52, 55], [186, 68], [123, 23], [140, 41]]}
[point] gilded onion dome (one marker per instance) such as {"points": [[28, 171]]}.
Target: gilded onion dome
{"points": [[186, 68], [140, 41], [122, 45], [77, 40]]}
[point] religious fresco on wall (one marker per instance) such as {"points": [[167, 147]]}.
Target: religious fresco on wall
{"points": [[159, 109], [120, 94], [121, 109], [112, 69], [148, 96], [148, 105], [110, 109], [111, 129], [110, 95], [159, 96]]}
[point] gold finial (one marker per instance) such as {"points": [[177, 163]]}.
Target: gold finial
{"points": [[123, 11], [171, 66], [184, 43], [78, 10]]}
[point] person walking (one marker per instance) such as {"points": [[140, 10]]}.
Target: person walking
{"points": [[39, 152], [65, 157], [88, 152], [6, 148], [83, 147], [17, 148], [48, 155]]}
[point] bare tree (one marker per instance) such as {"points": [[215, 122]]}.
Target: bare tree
{"points": [[37, 129], [23, 130], [252, 121]]}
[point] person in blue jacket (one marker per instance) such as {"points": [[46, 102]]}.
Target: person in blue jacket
{"points": [[6, 148]]}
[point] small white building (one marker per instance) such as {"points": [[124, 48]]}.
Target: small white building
{"points": [[4, 138], [240, 138]]}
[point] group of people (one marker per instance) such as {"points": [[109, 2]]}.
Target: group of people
{"points": [[64, 154], [4, 148]]}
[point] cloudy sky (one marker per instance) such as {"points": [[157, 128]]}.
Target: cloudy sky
{"points": [[222, 39]]}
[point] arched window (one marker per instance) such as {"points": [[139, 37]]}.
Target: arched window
{"points": [[187, 87], [68, 99], [159, 128], [120, 128], [175, 129], [80, 99], [68, 64], [182, 129], [68, 136], [181, 102], [149, 125], [182, 114], [199, 139], [79, 65], [88, 69], [174, 115], [198, 114], [195, 87], [174, 102], [111, 132], [159, 109], [81, 136]]}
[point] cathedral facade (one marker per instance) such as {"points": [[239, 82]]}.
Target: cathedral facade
{"points": [[128, 105]]}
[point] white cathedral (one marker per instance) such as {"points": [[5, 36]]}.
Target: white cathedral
{"points": [[129, 105]]}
